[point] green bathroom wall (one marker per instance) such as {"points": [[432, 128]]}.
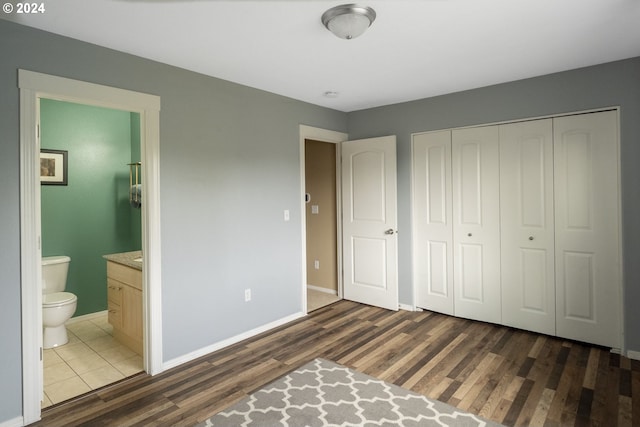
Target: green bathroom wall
{"points": [[90, 216], [136, 215]]}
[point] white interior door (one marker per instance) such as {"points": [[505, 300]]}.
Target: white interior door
{"points": [[370, 221], [527, 226], [588, 270], [432, 221], [476, 223]]}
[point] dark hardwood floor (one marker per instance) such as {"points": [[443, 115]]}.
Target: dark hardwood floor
{"points": [[503, 374]]}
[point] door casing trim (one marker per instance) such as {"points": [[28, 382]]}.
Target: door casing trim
{"points": [[34, 86]]}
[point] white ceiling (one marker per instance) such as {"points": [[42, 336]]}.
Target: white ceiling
{"points": [[414, 49]]}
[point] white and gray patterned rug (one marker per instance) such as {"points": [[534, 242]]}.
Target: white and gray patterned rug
{"points": [[322, 393]]}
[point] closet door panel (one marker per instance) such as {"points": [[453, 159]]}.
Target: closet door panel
{"points": [[588, 269], [579, 286], [469, 182], [432, 221], [535, 286], [527, 226], [476, 228], [470, 284]]}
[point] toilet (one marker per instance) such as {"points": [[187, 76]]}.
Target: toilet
{"points": [[57, 306]]}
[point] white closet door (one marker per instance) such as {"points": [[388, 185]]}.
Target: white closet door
{"points": [[527, 230], [432, 221], [588, 270], [476, 227]]}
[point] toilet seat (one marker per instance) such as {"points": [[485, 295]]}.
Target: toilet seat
{"points": [[57, 299]]}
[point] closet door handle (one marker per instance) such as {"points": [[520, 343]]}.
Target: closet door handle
{"points": [[389, 231], [530, 237], [469, 234]]}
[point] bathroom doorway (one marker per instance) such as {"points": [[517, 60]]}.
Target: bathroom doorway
{"points": [[86, 218], [33, 87]]}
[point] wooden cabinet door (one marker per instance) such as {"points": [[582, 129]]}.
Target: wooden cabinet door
{"points": [[114, 302], [132, 312], [124, 294], [476, 223], [527, 226]]}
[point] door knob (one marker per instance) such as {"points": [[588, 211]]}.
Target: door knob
{"points": [[530, 237], [469, 234], [389, 231]]}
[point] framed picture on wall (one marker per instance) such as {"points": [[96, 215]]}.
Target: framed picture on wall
{"points": [[53, 167]]}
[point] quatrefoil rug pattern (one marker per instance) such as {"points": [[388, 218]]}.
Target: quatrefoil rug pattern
{"points": [[322, 393]]}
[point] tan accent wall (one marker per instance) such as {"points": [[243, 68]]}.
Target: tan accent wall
{"points": [[320, 179]]}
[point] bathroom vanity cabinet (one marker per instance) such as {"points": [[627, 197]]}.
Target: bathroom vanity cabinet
{"points": [[124, 296]]}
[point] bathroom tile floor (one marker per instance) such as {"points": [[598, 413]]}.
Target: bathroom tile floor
{"points": [[91, 359]]}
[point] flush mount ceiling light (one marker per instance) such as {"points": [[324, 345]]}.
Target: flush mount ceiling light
{"points": [[348, 21]]}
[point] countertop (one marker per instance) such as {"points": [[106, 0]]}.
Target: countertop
{"points": [[126, 258]]}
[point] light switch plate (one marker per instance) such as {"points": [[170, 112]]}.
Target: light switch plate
{"points": [[315, 209]]}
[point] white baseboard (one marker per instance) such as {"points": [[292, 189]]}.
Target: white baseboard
{"points": [[635, 355], [16, 422], [323, 290], [85, 317], [406, 307], [229, 341]]}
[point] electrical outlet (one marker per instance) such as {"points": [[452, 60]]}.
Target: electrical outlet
{"points": [[316, 264], [247, 295]]}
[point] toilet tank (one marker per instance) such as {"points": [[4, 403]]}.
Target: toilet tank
{"points": [[54, 273]]}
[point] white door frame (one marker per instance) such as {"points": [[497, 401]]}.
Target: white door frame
{"points": [[34, 86], [329, 136]]}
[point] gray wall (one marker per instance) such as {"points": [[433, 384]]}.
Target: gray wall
{"points": [[612, 84], [229, 167]]}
